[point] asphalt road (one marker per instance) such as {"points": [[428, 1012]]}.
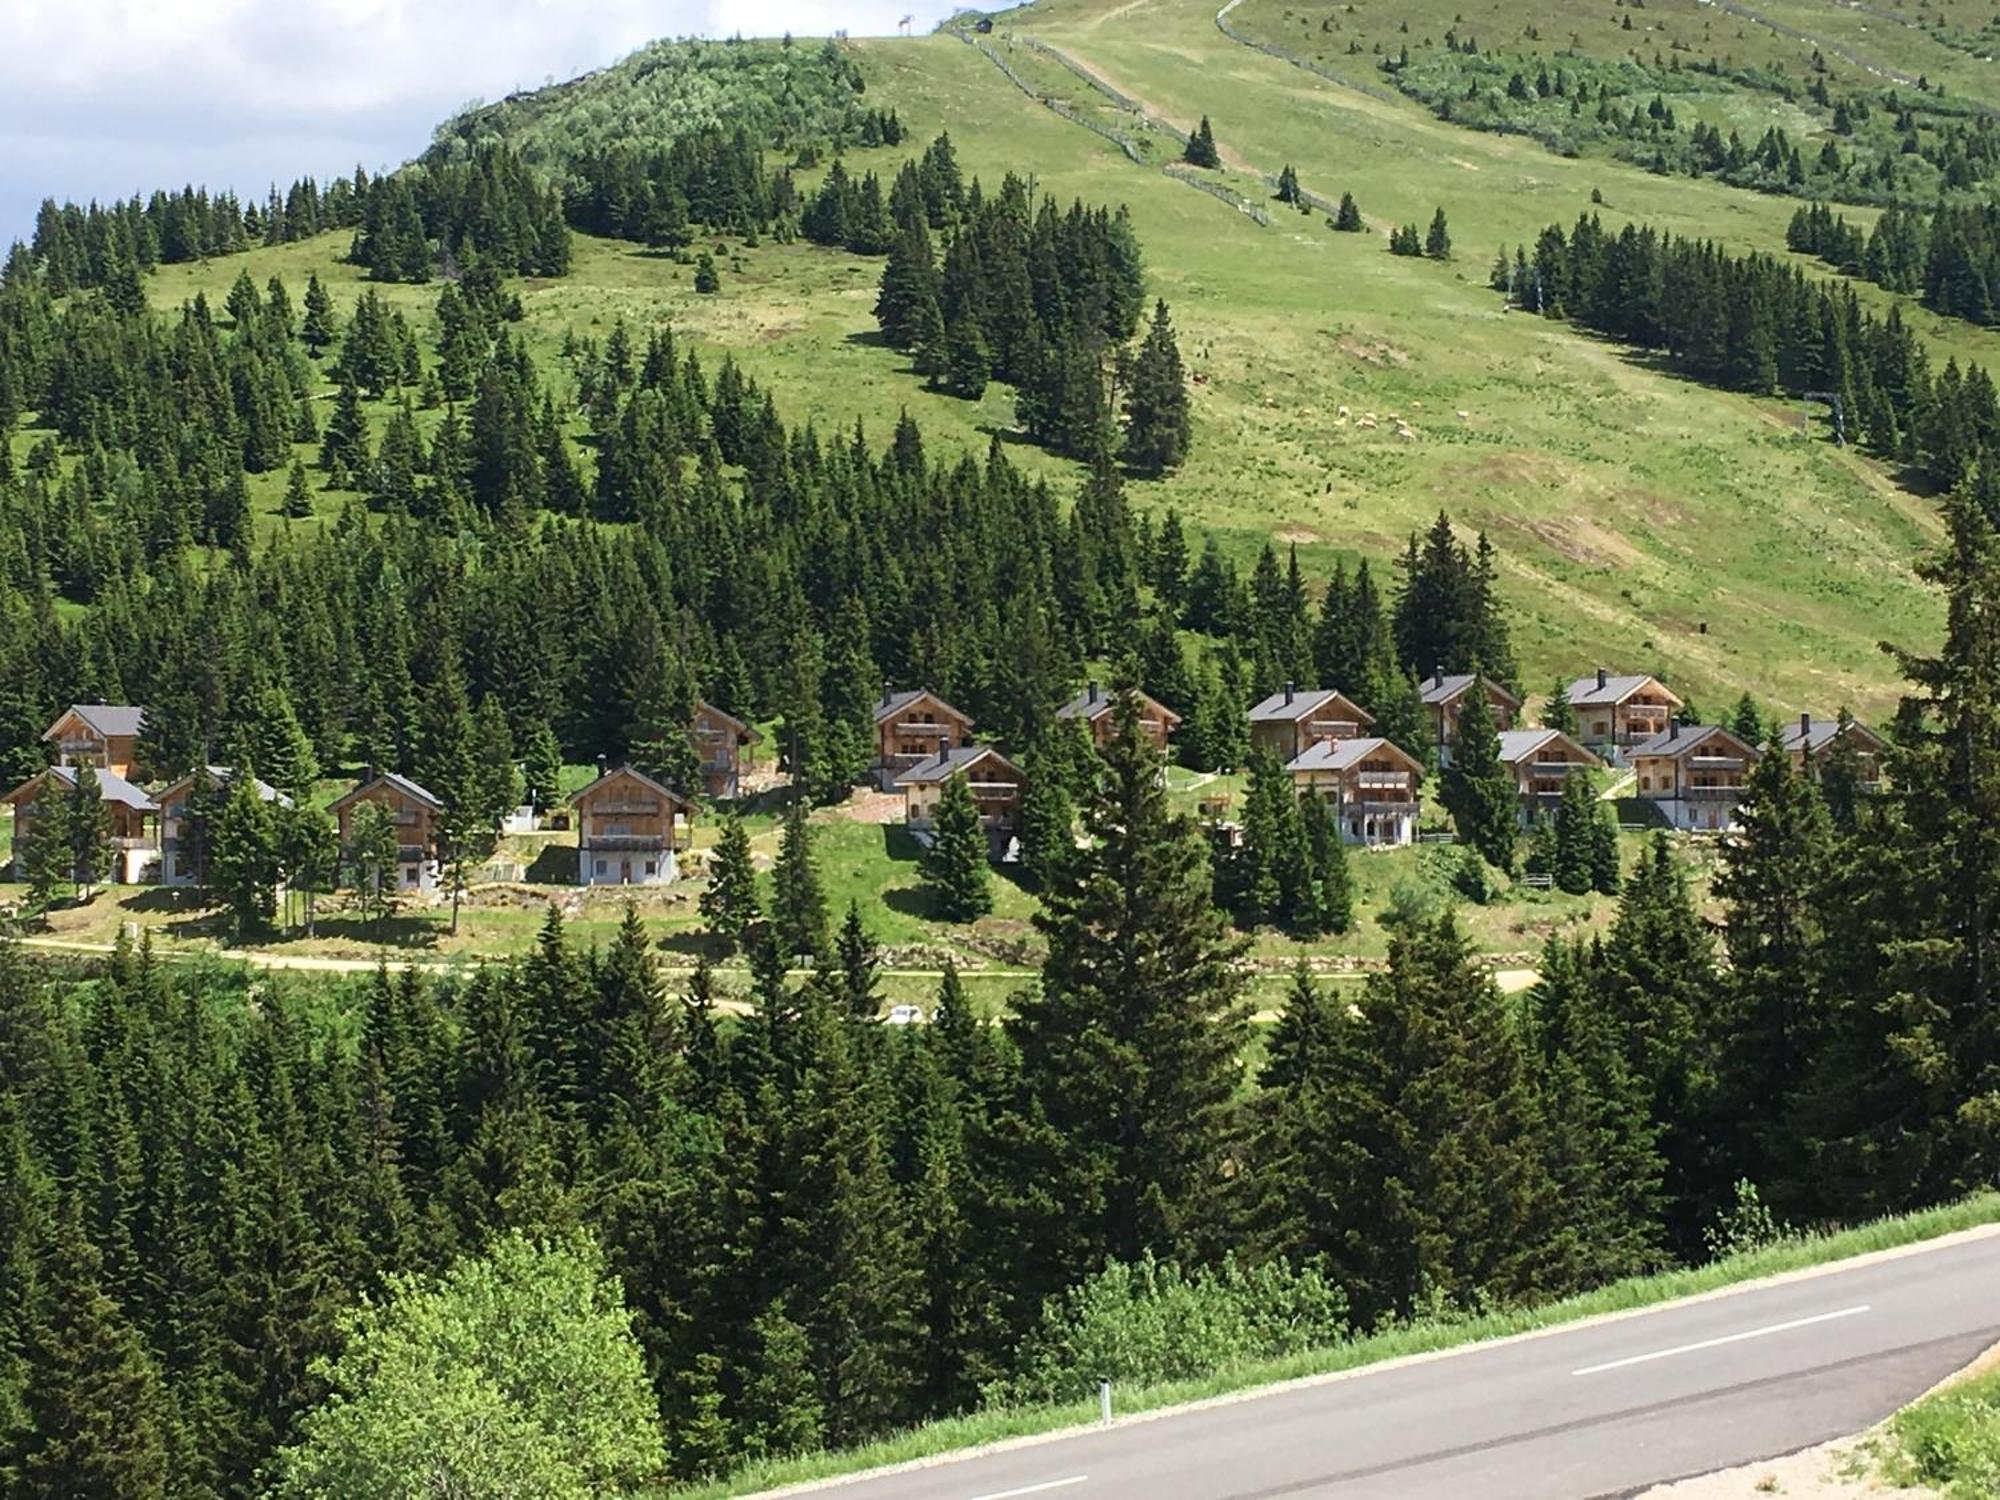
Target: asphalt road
{"points": [[1592, 1411]]}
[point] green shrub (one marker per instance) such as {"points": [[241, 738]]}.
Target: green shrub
{"points": [[1952, 1440], [1150, 1322]]}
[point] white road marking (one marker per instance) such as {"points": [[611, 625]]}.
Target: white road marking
{"points": [[1728, 1338], [1034, 1489]]}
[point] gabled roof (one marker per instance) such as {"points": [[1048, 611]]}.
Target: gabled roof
{"points": [[107, 719], [1305, 701], [634, 774], [1519, 745], [1670, 745], [891, 704], [1093, 703], [110, 786], [936, 768], [1814, 735], [221, 776], [1446, 689], [1585, 693], [1342, 755], [402, 784], [743, 730]]}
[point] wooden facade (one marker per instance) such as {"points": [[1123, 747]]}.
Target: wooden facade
{"points": [[415, 814], [719, 741], [1371, 782], [1615, 712], [1694, 774], [997, 786], [1444, 699], [1289, 723], [1098, 710], [1542, 761], [102, 735], [629, 830], [913, 726]]}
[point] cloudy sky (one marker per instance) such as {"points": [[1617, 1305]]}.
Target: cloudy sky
{"points": [[99, 98]]}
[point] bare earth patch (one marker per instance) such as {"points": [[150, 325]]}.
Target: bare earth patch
{"points": [[1832, 1471]]}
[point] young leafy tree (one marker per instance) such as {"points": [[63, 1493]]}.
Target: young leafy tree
{"points": [[729, 900], [1156, 402], [1129, 1046], [516, 1373], [1478, 790], [955, 865], [371, 859], [798, 900], [309, 855]]}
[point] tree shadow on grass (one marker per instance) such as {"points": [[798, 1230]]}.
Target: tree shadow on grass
{"points": [[408, 930]]}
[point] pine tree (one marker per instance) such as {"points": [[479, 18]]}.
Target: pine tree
{"points": [[1129, 1046], [1478, 789], [798, 901], [1048, 816], [1557, 712], [729, 900], [1156, 402], [1575, 822], [955, 863], [779, 1413], [1437, 240], [706, 279], [243, 856], [43, 855], [298, 504], [318, 327], [87, 824], [857, 961], [1200, 151], [1348, 219], [967, 364]]}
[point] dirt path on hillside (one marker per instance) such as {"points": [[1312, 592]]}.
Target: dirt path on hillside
{"points": [[1231, 158]]}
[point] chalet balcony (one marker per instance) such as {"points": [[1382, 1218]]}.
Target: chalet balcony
{"points": [[1543, 770], [1712, 793], [627, 843], [1726, 763], [141, 841], [1332, 729], [646, 809], [1396, 784], [412, 854]]}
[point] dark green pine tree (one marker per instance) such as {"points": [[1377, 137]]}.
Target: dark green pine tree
{"points": [[1437, 239], [1331, 904], [1557, 712], [968, 365], [798, 900], [706, 278], [243, 856], [779, 1411], [317, 329], [1773, 1024], [1435, 1174], [1157, 426], [298, 504], [86, 825], [858, 962], [1286, 1207], [99, 1419], [1130, 1043], [1348, 218], [1048, 813], [1574, 866], [1479, 792], [955, 863], [1271, 870], [343, 450], [1606, 863], [729, 900], [1748, 722], [1200, 151]]}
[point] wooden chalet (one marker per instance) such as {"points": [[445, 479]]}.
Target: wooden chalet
{"points": [[912, 726], [1694, 775], [180, 854], [1098, 711], [102, 735], [1289, 723], [629, 830], [1371, 782], [1615, 712], [719, 738], [415, 813], [134, 836], [1444, 699], [997, 785], [1542, 761], [1809, 741]]}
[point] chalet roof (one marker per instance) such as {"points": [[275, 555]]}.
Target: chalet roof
{"points": [[1343, 755], [221, 776], [636, 775], [108, 719], [1814, 735], [1444, 688], [935, 768], [1304, 702], [1585, 693], [1678, 741], [1093, 703], [890, 704], [402, 784], [1516, 745], [743, 730], [110, 786]]}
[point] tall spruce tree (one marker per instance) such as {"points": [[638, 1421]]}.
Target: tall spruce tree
{"points": [[1479, 791], [798, 900], [1157, 426], [955, 864], [729, 900]]}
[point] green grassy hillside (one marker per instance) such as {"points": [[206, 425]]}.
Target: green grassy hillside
{"points": [[1643, 521]]}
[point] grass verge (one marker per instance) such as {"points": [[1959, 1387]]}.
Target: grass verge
{"points": [[1958, 1409], [1950, 1440]]}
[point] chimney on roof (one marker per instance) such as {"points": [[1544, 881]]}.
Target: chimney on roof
{"points": [[944, 749], [368, 773], [888, 692], [1674, 729], [1603, 677], [1805, 725], [1437, 676], [1095, 691], [1290, 689]]}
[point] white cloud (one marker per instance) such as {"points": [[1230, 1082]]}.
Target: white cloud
{"points": [[102, 98]]}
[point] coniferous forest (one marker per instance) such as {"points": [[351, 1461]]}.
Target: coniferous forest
{"points": [[242, 1213]]}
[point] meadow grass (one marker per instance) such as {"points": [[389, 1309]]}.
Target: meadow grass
{"points": [[1949, 1440], [997, 1425]]}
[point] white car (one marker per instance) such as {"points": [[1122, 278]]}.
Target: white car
{"points": [[904, 1015]]}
